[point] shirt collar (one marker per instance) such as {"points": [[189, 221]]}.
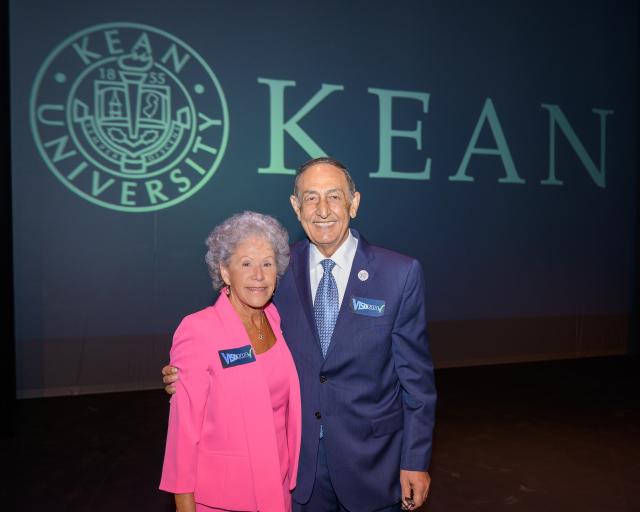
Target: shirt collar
{"points": [[343, 256]]}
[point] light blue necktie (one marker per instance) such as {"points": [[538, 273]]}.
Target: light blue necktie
{"points": [[325, 309], [325, 306]]}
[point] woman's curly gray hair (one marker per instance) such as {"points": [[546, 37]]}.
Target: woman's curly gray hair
{"points": [[223, 240]]}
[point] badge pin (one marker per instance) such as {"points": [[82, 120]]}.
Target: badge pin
{"points": [[363, 275], [237, 356], [368, 307]]}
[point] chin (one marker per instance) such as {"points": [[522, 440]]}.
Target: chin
{"points": [[324, 238], [256, 304], [255, 301]]}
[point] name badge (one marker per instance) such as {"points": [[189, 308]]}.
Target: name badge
{"points": [[237, 356], [367, 307]]}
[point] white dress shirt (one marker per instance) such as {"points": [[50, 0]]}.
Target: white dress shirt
{"points": [[343, 258]]}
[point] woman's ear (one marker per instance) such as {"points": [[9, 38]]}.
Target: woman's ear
{"points": [[224, 273]]}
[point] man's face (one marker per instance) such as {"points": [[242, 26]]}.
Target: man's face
{"points": [[325, 207]]}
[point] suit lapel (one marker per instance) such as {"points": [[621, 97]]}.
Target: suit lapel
{"points": [[300, 268]]}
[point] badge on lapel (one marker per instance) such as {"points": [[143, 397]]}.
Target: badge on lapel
{"points": [[237, 356], [367, 307]]}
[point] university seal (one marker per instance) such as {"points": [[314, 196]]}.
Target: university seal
{"points": [[129, 117]]}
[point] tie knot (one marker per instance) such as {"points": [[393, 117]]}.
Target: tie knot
{"points": [[328, 264]]}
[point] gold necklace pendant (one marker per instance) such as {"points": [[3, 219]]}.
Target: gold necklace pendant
{"points": [[260, 333]]}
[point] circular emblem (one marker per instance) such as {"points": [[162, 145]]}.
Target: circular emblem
{"points": [[363, 275], [129, 117]]}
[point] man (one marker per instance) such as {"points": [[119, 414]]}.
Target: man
{"points": [[353, 316]]}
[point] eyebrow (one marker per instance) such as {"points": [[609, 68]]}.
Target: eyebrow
{"points": [[247, 257], [330, 191]]}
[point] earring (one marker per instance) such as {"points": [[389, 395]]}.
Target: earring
{"points": [[227, 290]]}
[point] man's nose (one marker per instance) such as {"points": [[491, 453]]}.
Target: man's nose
{"points": [[323, 208]]}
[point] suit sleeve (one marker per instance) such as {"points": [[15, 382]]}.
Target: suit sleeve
{"points": [[414, 367], [187, 409]]}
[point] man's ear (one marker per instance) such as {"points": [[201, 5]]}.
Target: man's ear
{"points": [[355, 203], [295, 205]]}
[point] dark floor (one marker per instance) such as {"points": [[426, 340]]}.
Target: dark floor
{"points": [[555, 436]]}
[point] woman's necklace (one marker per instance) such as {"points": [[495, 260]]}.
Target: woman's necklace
{"points": [[251, 328], [260, 333]]}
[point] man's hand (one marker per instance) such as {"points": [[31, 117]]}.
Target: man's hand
{"points": [[415, 487], [169, 376]]}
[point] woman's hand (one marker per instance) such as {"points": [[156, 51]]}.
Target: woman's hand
{"points": [[185, 502]]}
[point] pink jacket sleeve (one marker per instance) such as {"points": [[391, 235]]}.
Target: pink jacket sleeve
{"points": [[188, 354]]}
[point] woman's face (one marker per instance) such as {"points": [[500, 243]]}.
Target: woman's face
{"points": [[251, 273]]}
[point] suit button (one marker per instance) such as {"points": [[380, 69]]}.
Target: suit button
{"points": [[323, 379], [318, 415]]}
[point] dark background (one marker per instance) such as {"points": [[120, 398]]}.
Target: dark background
{"points": [[515, 272]]}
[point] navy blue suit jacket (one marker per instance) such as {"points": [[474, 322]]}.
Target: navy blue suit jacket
{"points": [[374, 393]]}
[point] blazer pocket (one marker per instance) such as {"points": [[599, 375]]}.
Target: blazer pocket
{"points": [[225, 481], [376, 327], [388, 423], [373, 323]]}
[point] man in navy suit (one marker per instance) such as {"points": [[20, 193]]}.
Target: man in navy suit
{"points": [[353, 316]]}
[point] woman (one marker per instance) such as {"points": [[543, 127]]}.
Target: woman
{"points": [[234, 424]]}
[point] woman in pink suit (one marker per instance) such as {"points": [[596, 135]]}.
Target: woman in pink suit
{"points": [[234, 423]]}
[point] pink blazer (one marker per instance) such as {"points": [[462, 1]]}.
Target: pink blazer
{"points": [[221, 440]]}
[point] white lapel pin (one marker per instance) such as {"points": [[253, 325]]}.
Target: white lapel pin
{"points": [[363, 275]]}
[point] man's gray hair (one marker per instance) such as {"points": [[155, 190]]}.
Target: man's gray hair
{"points": [[223, 240], [324, 160]]}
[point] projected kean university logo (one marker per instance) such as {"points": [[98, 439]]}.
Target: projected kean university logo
{"points": [[129, 117]]}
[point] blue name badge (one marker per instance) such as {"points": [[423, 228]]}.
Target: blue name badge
{"points": [[367, 307], [237, 356]]}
